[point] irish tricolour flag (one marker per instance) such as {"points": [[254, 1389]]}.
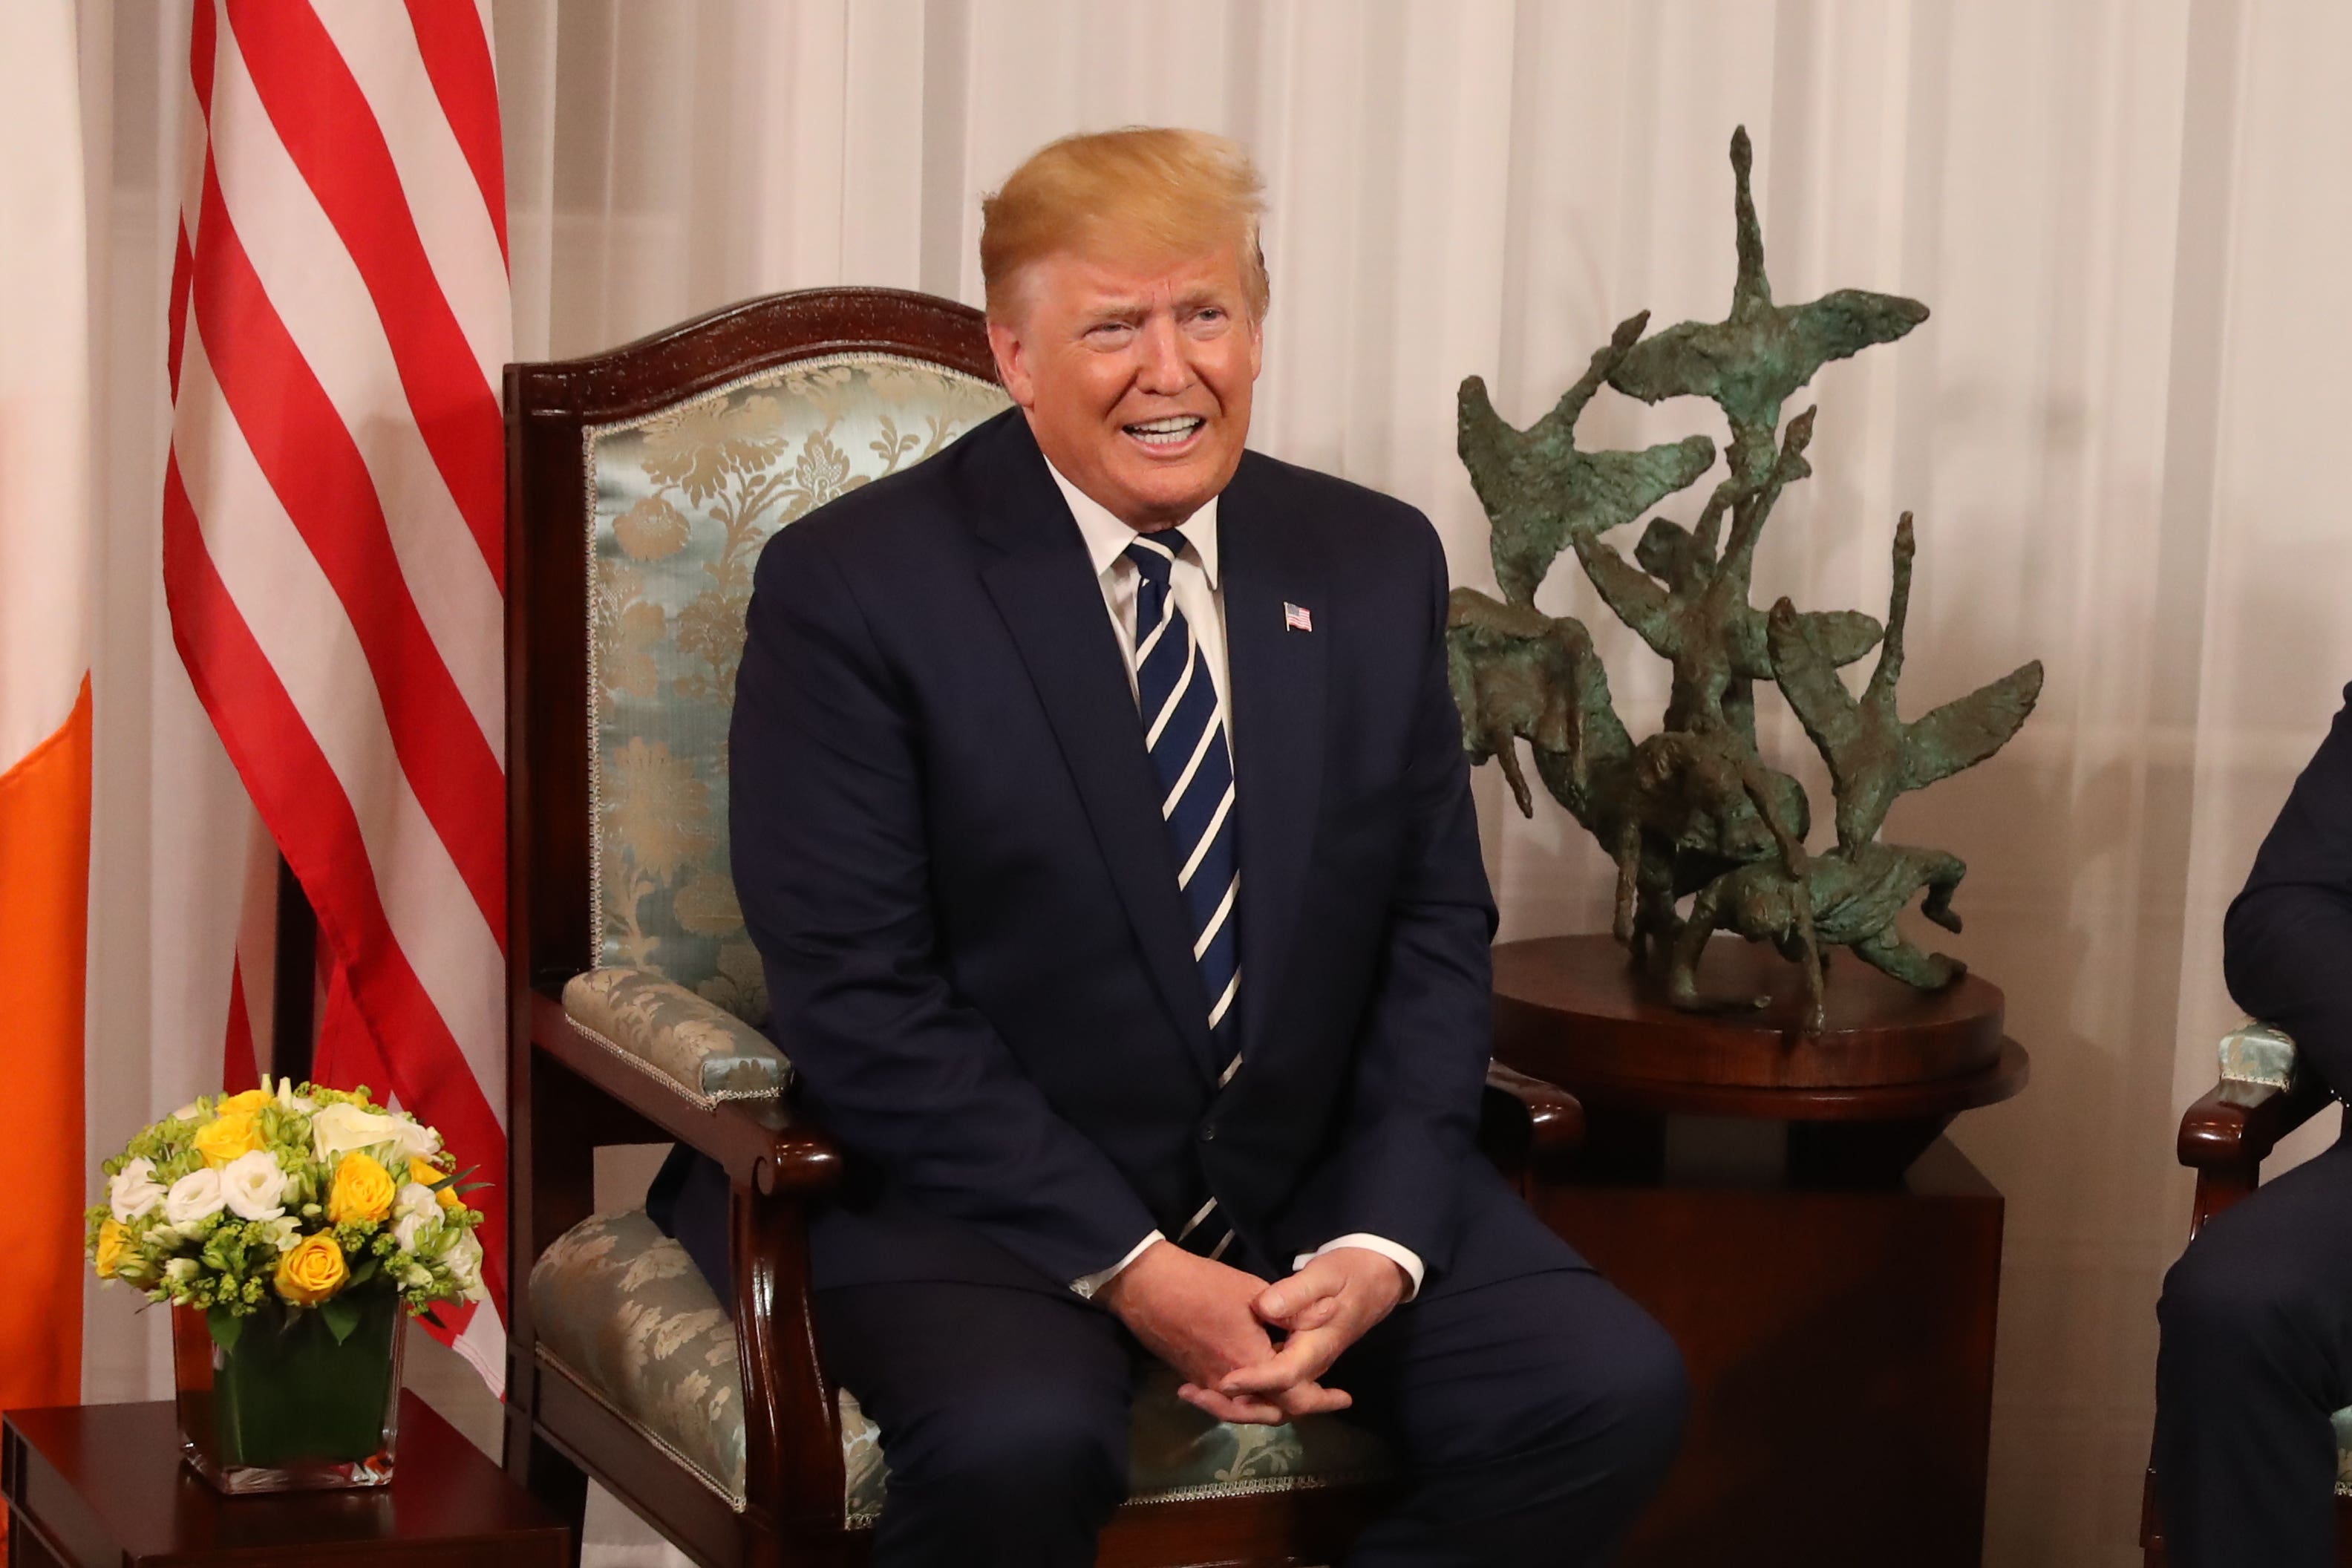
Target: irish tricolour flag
{"points": [[45, 703]]}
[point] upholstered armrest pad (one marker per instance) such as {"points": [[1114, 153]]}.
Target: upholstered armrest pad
{"points": [[699, 1046], [2257, 1056]]}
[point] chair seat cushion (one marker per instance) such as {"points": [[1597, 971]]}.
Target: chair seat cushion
{"points": [[621, 1308]]}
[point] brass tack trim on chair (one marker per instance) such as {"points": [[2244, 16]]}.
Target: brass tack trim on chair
{"points": [[1208, 1492]]}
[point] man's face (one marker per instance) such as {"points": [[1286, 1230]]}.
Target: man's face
{"points": [[1136, 377]]}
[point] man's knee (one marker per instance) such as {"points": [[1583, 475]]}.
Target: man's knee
{"points": [[1608, 1394], [1023, 1449], [1636, 1412]]}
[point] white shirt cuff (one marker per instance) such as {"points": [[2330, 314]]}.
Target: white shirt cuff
{"points": [[1405, 1257], [1086, 1285]]}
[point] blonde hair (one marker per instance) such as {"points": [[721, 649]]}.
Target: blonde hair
{"points": [[1140, 192]]}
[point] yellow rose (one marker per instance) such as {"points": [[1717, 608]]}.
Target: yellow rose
{"points": [[110, 1243], [363, 1190], [225, 1137], [313, 1271], [423, 1174], [251, 1101]]}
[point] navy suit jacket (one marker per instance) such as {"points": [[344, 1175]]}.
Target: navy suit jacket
{"points": [[948, 850]]}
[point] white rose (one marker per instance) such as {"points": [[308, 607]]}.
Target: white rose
{"points": [[416, 1141], [253, 1187], [134, 1190], [414, 1210], [464, 1257], [194, 1197], [337, 1129], [180, 1270], [408, 1229]]}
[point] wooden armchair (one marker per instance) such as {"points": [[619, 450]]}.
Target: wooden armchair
{"points": [[641, 484], [2262, 1096]]}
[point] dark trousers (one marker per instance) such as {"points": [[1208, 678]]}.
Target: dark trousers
{"points": [[2257, 1344], [1535, 1413]]}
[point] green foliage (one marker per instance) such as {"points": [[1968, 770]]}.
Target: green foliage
{"points": [[341, 1314]]}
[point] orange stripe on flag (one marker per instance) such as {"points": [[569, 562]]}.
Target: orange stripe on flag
{"points": [[45, 866]]}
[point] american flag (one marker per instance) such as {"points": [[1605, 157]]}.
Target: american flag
{"points": [[332, 505], [1295, 618]]}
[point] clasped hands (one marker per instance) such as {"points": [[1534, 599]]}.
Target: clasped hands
{"points": [[1215, 1324]]}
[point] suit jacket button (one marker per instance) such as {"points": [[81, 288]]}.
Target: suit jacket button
{"points": [[1209, 1132]]}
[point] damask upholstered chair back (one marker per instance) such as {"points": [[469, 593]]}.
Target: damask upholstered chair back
{"points": [[683, 496]]}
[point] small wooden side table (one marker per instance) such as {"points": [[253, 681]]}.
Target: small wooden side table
{"points": [[1833, 1292], [101, 1486]]}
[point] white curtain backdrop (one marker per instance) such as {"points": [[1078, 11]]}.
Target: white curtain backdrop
{"points": [[2130, 217]]}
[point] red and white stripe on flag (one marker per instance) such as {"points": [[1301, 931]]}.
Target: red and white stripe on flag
{"points": [[333, 551]]}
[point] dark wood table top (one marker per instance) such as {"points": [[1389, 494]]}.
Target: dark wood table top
{"points": [[103, 1484], [1574, 1011]]}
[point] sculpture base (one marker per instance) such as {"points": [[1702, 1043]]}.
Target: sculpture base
{"points": [[1582, 997]]}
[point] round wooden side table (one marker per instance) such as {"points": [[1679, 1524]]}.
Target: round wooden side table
{"points": [[1862, 1099]]}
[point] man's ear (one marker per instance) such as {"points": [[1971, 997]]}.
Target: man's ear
{"points": [[1011, 362]]}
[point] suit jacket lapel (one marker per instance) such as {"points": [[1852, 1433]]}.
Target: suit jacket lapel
{"points": [[1276, 678], [1044, 586]]}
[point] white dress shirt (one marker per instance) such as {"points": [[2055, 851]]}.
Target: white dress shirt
{"points": [[1193, 583]]}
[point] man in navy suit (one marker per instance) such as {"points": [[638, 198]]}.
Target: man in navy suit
{"points": [[1100, 814], [2256, 1350]]}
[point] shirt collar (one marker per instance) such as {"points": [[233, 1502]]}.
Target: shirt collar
{"points": [[1108, 538]]}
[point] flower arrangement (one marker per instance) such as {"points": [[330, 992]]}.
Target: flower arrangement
{"points": [[281, 1203]]}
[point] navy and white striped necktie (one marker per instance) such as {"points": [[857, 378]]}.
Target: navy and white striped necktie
{"points": [[1185, 735]]}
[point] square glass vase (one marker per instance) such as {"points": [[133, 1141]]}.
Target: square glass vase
{"points": [[286, 1406]]}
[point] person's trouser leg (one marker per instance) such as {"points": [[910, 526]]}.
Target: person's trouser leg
{"points": [[2257, 1334], [1003, 1416], [1537, 1415]]}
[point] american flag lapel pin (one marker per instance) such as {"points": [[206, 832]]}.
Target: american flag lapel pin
{"points": [[1295, 618]]}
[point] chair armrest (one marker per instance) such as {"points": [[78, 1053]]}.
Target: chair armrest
{"points": [[1525, 1123], [764, 1143], [1555, 1117], [2237, 1124], [2264, 1093], [700, 1046]]}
